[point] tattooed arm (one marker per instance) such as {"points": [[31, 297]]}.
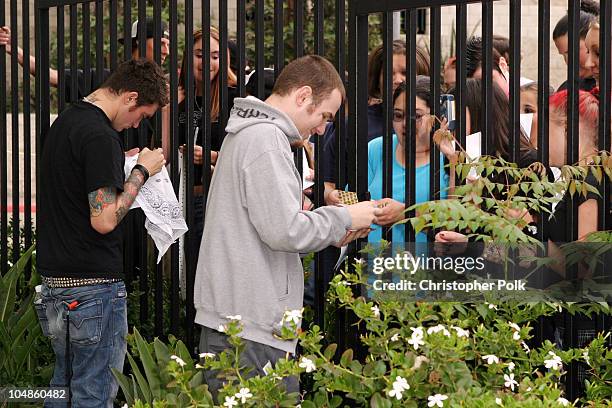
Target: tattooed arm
{"points": [[107, 209]]}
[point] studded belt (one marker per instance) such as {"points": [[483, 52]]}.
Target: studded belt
{"points": [[53, 282]]}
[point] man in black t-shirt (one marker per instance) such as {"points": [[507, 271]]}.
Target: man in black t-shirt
{"points": [[84, 196]]}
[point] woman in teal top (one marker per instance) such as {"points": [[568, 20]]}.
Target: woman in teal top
{"points": [[394, 207]]}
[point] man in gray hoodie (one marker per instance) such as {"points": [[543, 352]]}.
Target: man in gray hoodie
{"points": [[249, 267]]}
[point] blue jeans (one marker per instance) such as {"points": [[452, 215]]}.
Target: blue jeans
{"points": [[98, 329]]}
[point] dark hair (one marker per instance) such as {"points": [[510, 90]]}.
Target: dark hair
{"points": [[502, 45], [561, 28], [500, 115], [142, 76], [422, 90], [533, 87], [376, 63], [214, 82], [313, 71], [474, 57]]}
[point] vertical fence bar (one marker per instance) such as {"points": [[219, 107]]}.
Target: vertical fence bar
{"points": [[279, 43], [3, 158], [515, 80], [340, 125], [298, 28], [127, 30], [487, 80], [460, 73], [259, 47], [86, 25], [61, 61], [434, 55], [113, 34], [15, 132], [74, 84], [27, 141], [42, 83], [240, 33], [319, 189], [572, 384], [223, 64], [604, 101], [156, 142], [189, 167], [174, 175], [99, 42], [410, 107], [387, 100]]}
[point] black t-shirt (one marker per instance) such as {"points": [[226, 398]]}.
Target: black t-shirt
{"points": [[216, 133], [82, 153], [555, 227]]}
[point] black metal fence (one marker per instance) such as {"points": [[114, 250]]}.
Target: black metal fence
{"points": [[350, 30]]}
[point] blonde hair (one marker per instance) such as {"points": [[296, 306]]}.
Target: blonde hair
{"points": [[216, 81]]}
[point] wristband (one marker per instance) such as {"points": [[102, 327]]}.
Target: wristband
{"points": [[143, 170]]}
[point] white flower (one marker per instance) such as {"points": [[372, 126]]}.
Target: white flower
{"points": [[267, 368], [437, 399], [307, 364], [528, 389], [555, 362], [376, 311], [125, 406], [563, 401], [461, 332], [510, 382], [293, 316], [234, 317], [417, 332], [516, 336], [178, 360], [491, 306], [230, 402], [199, 366], [511, 366], [498, 401], [399, 386], [419, 360], [525, 346], [207, 355], [585, 355], [490, 359], [359, 261], [221, 328], [395, 337], [437, 329], [514, 326], [416, 342], [244, 394]]}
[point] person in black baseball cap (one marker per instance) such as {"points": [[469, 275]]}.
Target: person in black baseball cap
{"points": [[150, 36]]}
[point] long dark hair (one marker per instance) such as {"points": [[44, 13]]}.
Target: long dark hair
{"points": [[500, 115]]}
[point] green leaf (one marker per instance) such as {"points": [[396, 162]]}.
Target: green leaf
{"points": [[124, 383], [377, 401], [150, 368], [346, 358], [330, 351], [143, 387]]}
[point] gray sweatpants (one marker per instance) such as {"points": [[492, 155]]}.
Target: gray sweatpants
{"points": [[254, 356]]}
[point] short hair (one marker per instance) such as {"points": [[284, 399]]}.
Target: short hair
{"points": [[584, 24], [142, 76], [376, 64], [474, 57], [313, 71]]}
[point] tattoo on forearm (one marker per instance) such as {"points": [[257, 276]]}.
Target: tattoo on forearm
{"points": [[130, 191], [100, 199]]}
